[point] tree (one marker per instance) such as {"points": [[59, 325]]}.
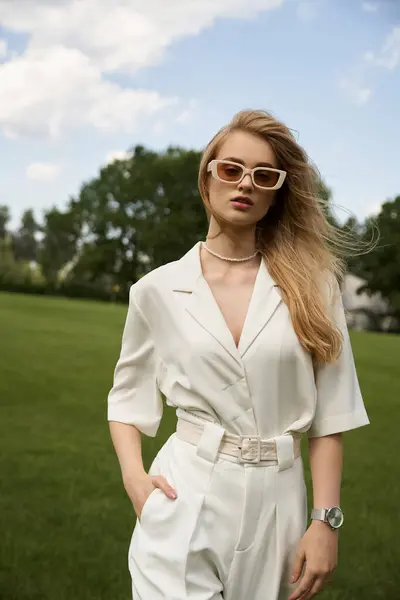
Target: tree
{"points": [[325, 199], [355, 233], [4, 220], [179, 219], [11, 271], [381, 267], [59, 243], [24, 241], [144, 207]]}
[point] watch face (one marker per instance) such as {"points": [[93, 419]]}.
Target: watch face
{"points": [[335, 517]]}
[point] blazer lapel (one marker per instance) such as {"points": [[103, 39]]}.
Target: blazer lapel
{"points": [[199, 301], [264, 302], [204, 308]]}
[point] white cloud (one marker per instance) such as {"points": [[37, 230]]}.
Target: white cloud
{"points": [[45, 94], [117, 155], [43, 171], [187, 114], [389, 55], [353, 84], [370, 6], [124, 34], [356, 92], [61, 81]]}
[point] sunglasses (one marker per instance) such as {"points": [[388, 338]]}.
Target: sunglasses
{"points": [[265, 178]]}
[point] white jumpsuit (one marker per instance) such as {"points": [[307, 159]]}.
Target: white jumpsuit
{"points": [[233, 531]]}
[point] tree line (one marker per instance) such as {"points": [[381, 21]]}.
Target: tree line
{"points": [[141, 212]]}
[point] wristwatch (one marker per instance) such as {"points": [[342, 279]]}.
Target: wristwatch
{"points": [[332, 516]]}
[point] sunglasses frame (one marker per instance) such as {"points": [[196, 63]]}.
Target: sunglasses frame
{"points": [[213, 168]]}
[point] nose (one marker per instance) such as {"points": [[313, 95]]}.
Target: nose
{"points": [[246, 183]]}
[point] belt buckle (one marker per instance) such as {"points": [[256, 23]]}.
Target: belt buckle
{"points": [[250, 438]]}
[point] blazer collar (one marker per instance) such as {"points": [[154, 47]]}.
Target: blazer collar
{"points": [[199, 301], [188, 270]]}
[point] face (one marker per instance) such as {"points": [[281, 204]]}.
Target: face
{"points": [[251, 151]]}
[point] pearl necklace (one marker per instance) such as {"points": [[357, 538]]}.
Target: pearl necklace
{"points": [[228, 258]]}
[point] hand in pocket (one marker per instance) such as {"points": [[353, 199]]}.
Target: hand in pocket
{"points": [[139, 492]]}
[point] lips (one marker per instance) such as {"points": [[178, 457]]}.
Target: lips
{"points": [[243, 200]]}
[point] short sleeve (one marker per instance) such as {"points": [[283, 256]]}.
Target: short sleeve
{"points": [[340, 405], [135, 397]]}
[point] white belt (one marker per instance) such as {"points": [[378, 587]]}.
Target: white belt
{"points": [[246, 448]]}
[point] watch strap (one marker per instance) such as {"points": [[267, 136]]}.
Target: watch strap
{"points": [[319, 514]]}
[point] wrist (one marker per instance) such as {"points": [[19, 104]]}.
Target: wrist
{"points": [[323, 526], [331, 516], [133, 478]]}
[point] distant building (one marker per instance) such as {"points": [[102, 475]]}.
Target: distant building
{"points": [[365, 312]]}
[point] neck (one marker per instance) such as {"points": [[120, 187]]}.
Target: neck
{"points": [[238, 245]]}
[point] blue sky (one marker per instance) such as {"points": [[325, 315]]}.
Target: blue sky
{"points": [[74, 94]]}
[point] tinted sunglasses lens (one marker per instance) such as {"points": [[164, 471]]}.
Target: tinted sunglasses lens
{"points": [[229, 172], [266, 178]]}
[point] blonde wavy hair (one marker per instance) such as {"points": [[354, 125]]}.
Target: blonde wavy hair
{"points": [[300, 245]]}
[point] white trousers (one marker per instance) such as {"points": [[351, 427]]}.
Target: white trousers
{"points": [[231, 534]]}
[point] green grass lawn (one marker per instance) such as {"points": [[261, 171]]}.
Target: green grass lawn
{"points": [[65, 519]]}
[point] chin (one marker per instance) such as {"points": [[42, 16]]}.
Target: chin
{"points": [[240, 220]]}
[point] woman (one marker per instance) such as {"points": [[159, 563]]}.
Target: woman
{"points": [[246, 336]]}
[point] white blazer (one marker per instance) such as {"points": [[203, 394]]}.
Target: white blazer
{"points": [[176, 342]]}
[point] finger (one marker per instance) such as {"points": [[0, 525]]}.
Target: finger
{"points": [[298, 566], [306, 584], [161, 483], [316, 588]]}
